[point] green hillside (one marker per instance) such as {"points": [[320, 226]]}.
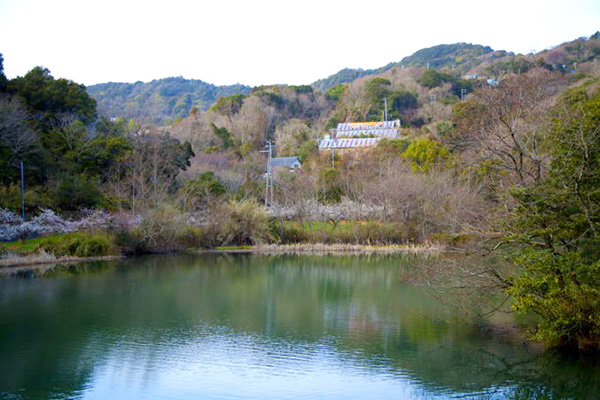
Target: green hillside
{"points": [[462, 56], [159, 100], [458, 56]]}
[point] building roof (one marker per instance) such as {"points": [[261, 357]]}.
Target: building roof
{"points": [[386, 129], [347, 126], [290, 162], [348, 143]]}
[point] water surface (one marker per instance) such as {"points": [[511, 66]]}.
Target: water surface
{"points": [[259, 327]]}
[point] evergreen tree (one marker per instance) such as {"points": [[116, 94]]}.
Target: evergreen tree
{"points": [[558, 225]]}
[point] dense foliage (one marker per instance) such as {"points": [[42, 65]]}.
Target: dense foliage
{"points": [[558, 223], [72, 159], [459, 57], [159, 101]]}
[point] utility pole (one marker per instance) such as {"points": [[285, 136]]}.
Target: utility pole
{"points": [[385, 116], [333, 143], [22, 191], [269, 175]]}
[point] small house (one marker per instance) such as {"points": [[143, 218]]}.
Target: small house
{"points": [[287, 163]]}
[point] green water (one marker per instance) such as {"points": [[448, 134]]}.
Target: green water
{"points": [[260, 327]]}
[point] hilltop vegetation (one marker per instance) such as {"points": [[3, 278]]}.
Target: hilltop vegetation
{"points": [[460, 57], [164, 100], [158, 101]]}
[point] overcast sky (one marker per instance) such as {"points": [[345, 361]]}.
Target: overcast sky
{"points": [[258, 42]]}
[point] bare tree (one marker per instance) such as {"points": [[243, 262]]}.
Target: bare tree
{"points": [[16, 133], [506, 125]]}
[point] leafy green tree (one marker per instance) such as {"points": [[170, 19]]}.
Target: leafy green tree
{"points": [[306, 150], [204, 186], [423, 154], [403, 100], [400, 101], [302, 89], [76, 192], [334, 93], [65, 142], [224, 135], [377, 89], [557, 224], [103, 154], [330, 192], [230, 105], [431, 78], [50, 97]]}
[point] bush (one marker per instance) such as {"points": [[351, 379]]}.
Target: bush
{"points": [[76, 192], [247, 224], [79, 244], [156, 233], [162, 231], [289, 234]]}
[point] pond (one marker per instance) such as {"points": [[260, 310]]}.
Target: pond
{"points": [[260, 327]]}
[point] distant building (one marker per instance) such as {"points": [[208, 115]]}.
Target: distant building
{"points": [[290, 163], [347, 143], [350, 135]]}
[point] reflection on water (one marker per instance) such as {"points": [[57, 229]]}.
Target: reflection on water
{"points": [[258, 327]]}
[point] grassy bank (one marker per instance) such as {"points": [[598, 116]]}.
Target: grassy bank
{"points": [[245, 230], [66, 247]]}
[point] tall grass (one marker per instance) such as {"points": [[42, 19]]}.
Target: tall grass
{"points": [[78, 244], [15, 259], [344, 232]]}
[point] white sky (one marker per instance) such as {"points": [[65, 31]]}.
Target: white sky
{"points": [[258, 42]]}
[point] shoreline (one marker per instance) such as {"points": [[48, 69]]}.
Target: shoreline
{"points": [[16, 261], [320, 248], [49, 259]]}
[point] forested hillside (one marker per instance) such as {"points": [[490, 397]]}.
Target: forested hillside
{"points": [[164, 100], [461, 57], [158, 101]]}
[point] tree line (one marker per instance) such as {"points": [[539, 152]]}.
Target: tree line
{"points": [[73, 158]]}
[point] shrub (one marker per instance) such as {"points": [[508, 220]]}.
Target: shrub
{"points": [[247, 224], [161, 231], [424, 153], [156, 233], [78, 244], [289, 234], [76, 192]]}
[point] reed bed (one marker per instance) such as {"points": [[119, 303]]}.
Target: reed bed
{"points": [[14, 259], [304, 248]]}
